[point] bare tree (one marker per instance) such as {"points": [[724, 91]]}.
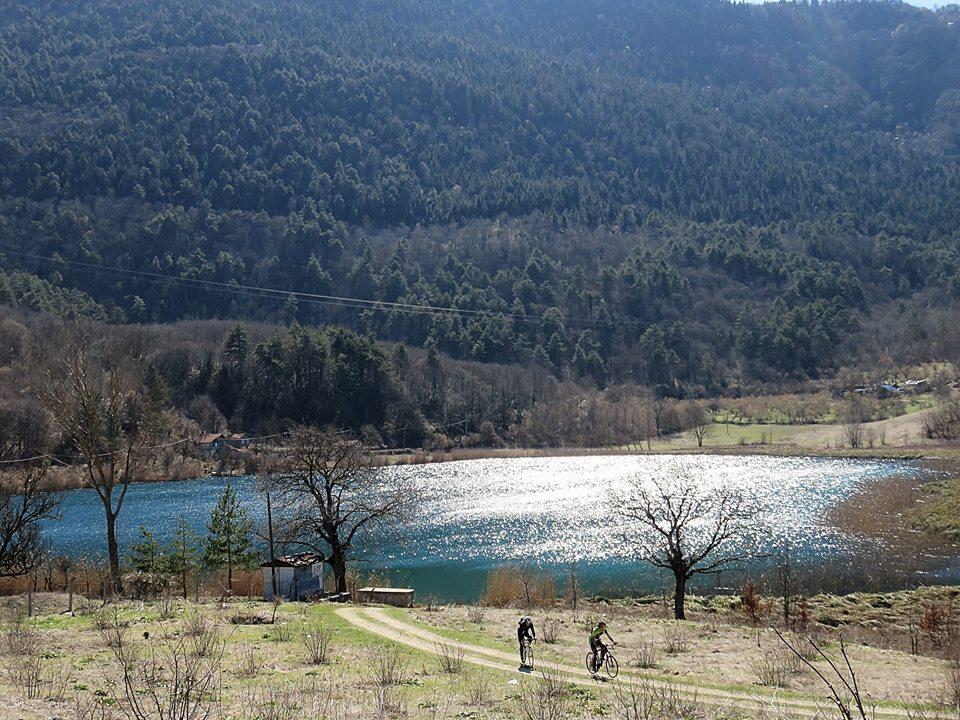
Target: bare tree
{"points": [[23, 429], [698, 420], [853, 416], [24, 505], [686, 528], [332, 492], [660, 407], [845, 690], [95, 398]]}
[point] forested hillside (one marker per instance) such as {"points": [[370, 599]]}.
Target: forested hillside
{"points": [[676, 193]]}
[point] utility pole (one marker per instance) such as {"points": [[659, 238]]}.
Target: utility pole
{"points": [[273, 565]]}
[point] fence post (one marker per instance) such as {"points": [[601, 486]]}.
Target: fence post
{"points": [[70, 597], [30, 602]]}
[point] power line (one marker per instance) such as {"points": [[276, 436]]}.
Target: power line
{"points": [[59, 458], [318, 298]]}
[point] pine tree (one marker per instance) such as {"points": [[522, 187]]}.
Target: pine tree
{"points": [[228, 542], [146, 556], [183, 556]]}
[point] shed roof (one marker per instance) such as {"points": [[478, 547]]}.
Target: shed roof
{"points": [[295, 561]]}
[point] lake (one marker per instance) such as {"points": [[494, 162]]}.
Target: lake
{"points": [[552, 513]]}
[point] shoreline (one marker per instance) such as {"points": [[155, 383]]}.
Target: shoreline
{"points": [[948, 456]]}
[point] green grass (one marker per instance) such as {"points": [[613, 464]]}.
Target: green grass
{"points": [[476, 637], [939, 511]]}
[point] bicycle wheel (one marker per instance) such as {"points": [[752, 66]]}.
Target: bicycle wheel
{"points": [[528, 655], [592, 663], [613, 667]]}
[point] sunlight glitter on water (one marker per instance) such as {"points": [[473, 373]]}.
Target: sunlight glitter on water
{"points": [[547, 512], [564, 509]]}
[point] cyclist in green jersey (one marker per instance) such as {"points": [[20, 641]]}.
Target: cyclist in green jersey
{"points": [[597, 647]]}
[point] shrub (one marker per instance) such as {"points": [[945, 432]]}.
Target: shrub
{"points": [[769, 669], [507, 586], [22, 663], [476, 614], [282, 632], [646, 701], [549, 698], [292, 701], [387, 667], [317, 640], [645, 655], [196, 624], [205, 640], [249, 661], [752, 606], [168, 679], [549, 630], [477, 691], [450, 656], [675, 640]]}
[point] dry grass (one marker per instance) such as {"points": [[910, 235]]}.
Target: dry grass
{"points": [[478, 690], [547, 698], [249, 665], [521, 587], [172, 677], [269, 681], [646, 701]]}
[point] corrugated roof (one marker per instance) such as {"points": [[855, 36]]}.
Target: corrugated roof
{"points": [[295, 561]]}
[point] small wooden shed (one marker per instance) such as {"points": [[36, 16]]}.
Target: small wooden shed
{"points": [[298, 577], [398, 597]]}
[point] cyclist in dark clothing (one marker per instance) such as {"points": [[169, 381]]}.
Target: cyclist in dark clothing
{"points": [[525, 632]]}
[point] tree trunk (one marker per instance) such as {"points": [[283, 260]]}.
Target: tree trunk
{"points": [[229, 535], [338, 564], [113, 551], [679, 595]]}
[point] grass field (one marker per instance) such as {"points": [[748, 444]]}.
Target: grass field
{"points": [[334, 661]]}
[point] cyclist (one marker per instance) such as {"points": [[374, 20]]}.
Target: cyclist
{"points": [[597, 647], [525, 632]]}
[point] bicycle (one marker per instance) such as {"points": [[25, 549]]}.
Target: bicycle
{"points": [[526, 654], [610, 664]]}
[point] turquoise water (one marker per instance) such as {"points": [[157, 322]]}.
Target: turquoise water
{"points": [[549, 513]]}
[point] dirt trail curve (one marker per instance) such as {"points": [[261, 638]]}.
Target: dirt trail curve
{"points": [[378, 622]]}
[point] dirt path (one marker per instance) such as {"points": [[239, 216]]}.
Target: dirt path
{"points": [[378, 622]]}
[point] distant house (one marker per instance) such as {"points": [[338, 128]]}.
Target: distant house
{"points": [[210, 443], [886, 390], [298, 577], [238, 440], [915, 387]]}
